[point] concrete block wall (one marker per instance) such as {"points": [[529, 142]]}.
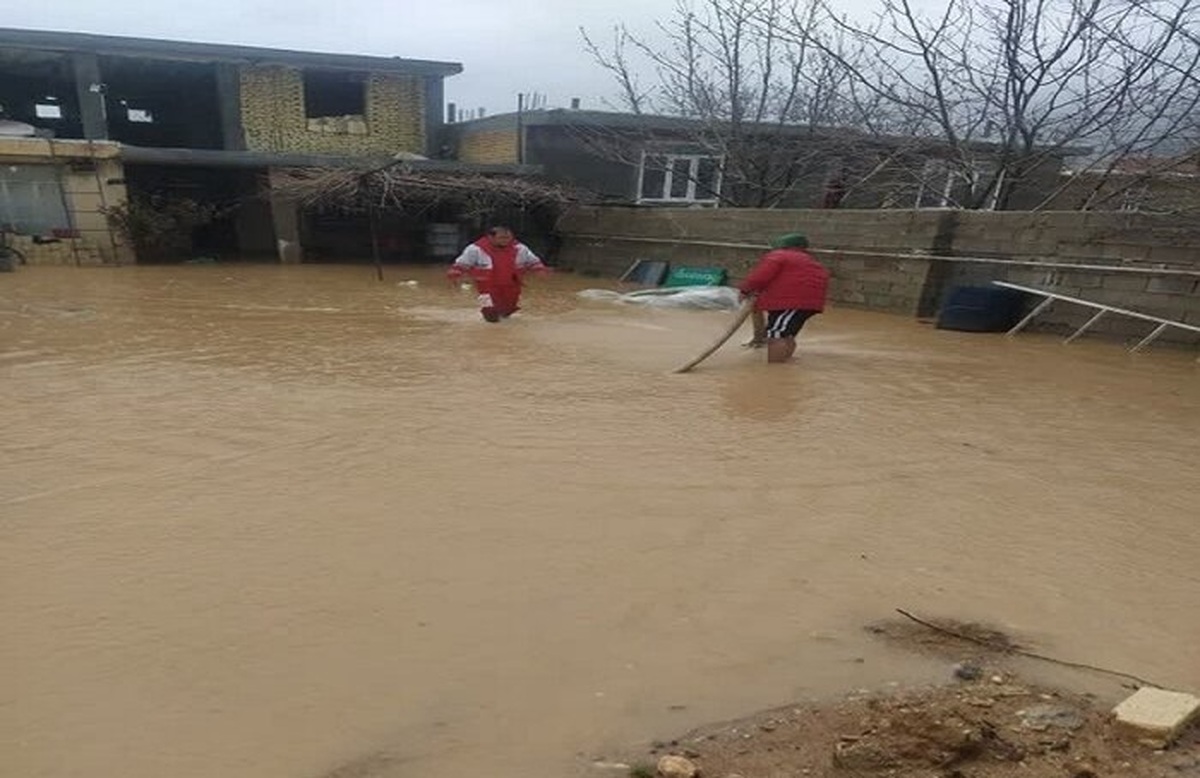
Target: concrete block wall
{"points": [[273, 118], [857, 247], [1084, 238], [488, 147], [861, 278], [877, 282]]}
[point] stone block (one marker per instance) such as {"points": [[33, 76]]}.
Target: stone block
{"points": [[1030, 276], [913, 265], [873, 287], [880, 275], [76, 184], [1173, 285], [1157, 716], [1072, 251], [1118, 251], [1132, 282], [1185, 256], [881, 302], [1081, 279], [90, 221], [1175, 309], [1138, 252], [677, 767]]}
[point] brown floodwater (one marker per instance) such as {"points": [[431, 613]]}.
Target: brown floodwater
{"points": [[266, 522]]}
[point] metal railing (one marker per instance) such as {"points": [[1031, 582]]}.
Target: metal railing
{"points": [[1101, 310]]}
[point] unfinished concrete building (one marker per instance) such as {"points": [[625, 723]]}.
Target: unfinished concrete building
{"points": [[90, 123]]}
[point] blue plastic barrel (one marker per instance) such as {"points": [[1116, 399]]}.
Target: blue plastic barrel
{"points": [[981, 309]]}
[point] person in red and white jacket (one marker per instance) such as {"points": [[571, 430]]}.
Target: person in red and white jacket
{"points": [[789, 287], [496, 263]]}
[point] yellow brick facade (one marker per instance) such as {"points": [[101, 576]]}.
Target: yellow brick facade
{"points": [[274, 120], [494, 147]]}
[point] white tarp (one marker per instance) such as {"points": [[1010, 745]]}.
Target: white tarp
{"points": [[710, 298]]}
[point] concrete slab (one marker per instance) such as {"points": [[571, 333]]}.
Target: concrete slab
{"points": [[1157, 716]]}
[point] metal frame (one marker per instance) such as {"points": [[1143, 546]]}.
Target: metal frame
{"points": [[1101, 310]]}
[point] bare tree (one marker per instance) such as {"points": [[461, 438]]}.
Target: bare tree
{"points": [[778, 110], [973, 104], [1153, 184], [616, 60], [1012, 86]]}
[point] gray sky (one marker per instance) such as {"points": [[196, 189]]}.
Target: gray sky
{"points": [[506, 46]]}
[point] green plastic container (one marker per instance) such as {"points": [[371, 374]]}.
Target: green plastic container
{"points": [[697, 276]]}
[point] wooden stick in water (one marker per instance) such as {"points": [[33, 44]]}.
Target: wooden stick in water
{"points": [[738, 320]]}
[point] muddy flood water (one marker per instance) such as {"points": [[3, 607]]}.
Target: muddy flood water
{"points": [[263, 522]]}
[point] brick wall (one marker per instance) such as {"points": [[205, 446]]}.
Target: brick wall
{"points": [[855, 246], [488, 147], [273, 115]]}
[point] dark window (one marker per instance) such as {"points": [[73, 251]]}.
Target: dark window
{"points": [[31, 199], [334, 93], [654, 177], [706, 178], [681, 177], [688, 178]]}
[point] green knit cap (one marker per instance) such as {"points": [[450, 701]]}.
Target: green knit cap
{"points": [[793, 240]]}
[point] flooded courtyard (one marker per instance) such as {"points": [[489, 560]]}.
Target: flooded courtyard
{"points": [[267, 522]]}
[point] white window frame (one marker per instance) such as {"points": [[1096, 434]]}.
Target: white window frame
{"points": [[668, 175]]}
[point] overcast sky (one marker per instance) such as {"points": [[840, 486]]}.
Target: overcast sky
{"points": [[506, 46]]}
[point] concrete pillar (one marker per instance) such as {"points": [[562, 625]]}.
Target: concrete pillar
{"points": [[89, 91], [285, 218], [229, 102], [435, 96]]}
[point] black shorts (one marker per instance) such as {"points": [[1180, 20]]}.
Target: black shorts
{"points": [[786, 324]]}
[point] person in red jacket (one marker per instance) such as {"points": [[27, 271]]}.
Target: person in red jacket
{"points": [[496, 262], [789, 287]]}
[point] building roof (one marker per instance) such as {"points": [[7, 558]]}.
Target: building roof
{"points": [[1187, 164], [576, 118], [142, 155], [612, 120], [149, 48]]}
